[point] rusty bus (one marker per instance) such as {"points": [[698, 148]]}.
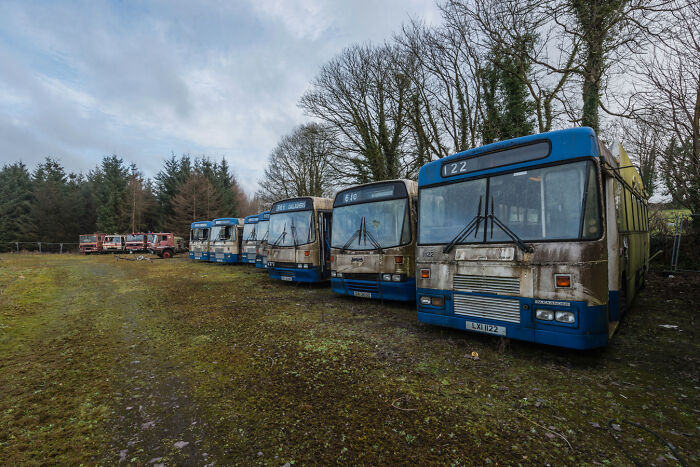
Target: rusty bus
{"points": [[542, 238], [165, 244], [113, 244], [225, 240], [250, 239], [91, 243], [262, 248], [373, 241], [199, 240], [299, 240], [136, 242]]}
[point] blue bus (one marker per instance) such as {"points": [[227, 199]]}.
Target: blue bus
{"points": [[199, 240], [262, 233], [299, 240], [373, 241], [542, 238], [225, 240], [250, 239]]}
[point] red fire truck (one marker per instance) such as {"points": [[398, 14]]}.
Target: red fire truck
{"points": [[91, 243], [136, 242], [165, 244]]}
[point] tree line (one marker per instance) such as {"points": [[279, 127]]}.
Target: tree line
{"points": [[50, 205], [498, 69]]}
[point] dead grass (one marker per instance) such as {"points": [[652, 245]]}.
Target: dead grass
{"points": [[250, 371]]}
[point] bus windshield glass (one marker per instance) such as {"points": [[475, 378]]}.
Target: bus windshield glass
{"points": [[198, 235], [291, 228], [250, 232], [220, 233], [88, 238], [134, 238], [367, 226], [551, 203], [261, 230]]}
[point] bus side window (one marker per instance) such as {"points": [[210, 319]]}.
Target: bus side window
{"points": [[619, 208]]}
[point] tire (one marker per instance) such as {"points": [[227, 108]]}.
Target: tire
{"points": [[167, 254]]}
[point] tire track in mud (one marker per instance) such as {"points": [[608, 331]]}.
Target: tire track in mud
{"points": [[155, 419]]}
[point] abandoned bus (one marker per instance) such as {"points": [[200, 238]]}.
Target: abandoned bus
{"points": [[373, 241], [250, 239], [299, 248], [224, 240], [113, 244], [262, 248], [91, 243], [199, 240], [542, 238], [136, 243]]}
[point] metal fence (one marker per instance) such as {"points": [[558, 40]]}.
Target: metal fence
{"points": [[39, 247], [679, 249]]}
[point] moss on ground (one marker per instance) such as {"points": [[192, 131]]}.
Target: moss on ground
{"points": [[177, 361]]}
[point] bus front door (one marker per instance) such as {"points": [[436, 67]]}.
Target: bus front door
{"points": [[324, 227]]}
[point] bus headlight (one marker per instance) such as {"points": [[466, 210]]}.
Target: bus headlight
{"points": [[544, 315], [340, 274], [386, 277], [299, 266], [425, 301], [396, 277], [333, 274], [565, 317]]}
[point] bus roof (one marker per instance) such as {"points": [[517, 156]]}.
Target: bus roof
{"points": [[411, 189], [252, 219], [264, 216], [201, 225], [226, 221], [554, 146], [301, 203]]}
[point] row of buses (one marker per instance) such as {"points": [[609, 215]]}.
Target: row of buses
{"points": [[542, 238]]}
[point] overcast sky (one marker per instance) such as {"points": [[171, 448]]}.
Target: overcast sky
{"points": [[80, 80]]}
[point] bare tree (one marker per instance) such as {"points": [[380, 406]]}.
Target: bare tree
{"points": [[363, 97], [671, 101], [300, 165]]}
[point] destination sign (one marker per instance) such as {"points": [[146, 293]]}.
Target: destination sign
{"points": [[200, 225], [226, 222], [490, 160], [266, 216], [294, 205], [366, 194]]}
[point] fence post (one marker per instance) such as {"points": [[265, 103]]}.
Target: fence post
{"points": [[17, 246], [61, 248], [39, 246]]}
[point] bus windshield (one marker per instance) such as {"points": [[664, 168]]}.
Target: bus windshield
{"points": [[134, 238], [220, 232], [291, 228], [198, 235], [385, 222], [551, 203], [250, 232], [88, 238], [261, 230]]}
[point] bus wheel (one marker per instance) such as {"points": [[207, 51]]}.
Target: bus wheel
{"points": [[167, 254]]}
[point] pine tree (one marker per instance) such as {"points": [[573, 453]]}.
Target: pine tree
{"points": [[197, 200], [50, 212], [15, 204], [113, 179]]}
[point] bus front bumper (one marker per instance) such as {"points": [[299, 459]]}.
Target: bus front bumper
{"points": [[261, 262], [589, 331], [199, 255], [383, 290], [247, 258], [312, 274], [230, 258]]}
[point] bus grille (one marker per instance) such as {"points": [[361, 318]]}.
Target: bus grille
{"points": [[488, 284], [501, 309], [362, 286]]}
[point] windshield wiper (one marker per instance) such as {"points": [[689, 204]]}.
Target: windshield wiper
{"points": [[517, 240], [372, 240], [294, 234], [467, 230], [282, 236], [251, 237], [353, 236]]}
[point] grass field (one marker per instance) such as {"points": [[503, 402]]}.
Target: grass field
{"points": [[174, 362]]}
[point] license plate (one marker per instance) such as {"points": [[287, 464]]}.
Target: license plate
{"points": [[362, 294], [286, 278], [486, 328]]}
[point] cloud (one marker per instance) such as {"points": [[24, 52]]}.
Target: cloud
{"points": [[144, 79]]}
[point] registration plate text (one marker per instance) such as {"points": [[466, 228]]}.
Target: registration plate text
{"points": [[286, 278], [362, 294], [487, 328]]}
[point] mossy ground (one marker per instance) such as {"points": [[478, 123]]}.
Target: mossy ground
{"points": [[106, 361]]}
